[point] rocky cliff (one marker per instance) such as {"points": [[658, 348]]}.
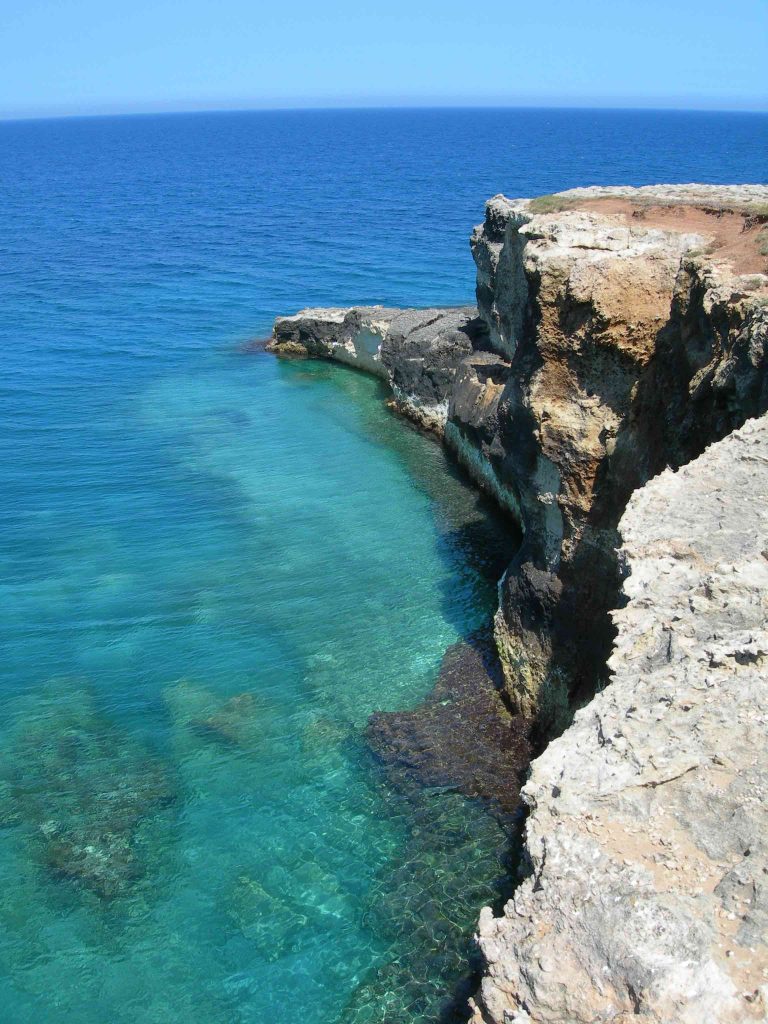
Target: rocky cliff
{"points": [[618, 334], [619, 331], [633, 339], [648, 832]]}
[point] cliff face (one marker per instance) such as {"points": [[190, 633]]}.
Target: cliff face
{"points": [[627, 341], [648, 834], [620, 331]]}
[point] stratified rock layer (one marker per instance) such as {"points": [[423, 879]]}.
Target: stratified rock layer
{"points": [[648, 833]]}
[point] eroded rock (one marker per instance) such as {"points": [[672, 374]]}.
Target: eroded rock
{"points": [[631, 343], [415, 350], [648, 825]]}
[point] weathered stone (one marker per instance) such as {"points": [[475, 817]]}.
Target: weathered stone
{"points": [[647, 834], [415, 350], [630, 348]]}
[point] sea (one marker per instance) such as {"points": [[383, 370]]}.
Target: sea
{"points": [[215, 565]]}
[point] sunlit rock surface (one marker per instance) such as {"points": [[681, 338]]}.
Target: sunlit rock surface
{"points": [[648, 829], [633, 339]]}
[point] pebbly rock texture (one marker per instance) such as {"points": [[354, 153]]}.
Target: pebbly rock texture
{"points": [[415, 350], [626, 340], [648, 832]]}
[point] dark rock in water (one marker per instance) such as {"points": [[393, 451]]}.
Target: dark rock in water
{"points": [[244, 721], [255, 345], [462, 737], [82, 789], [457, 857]]}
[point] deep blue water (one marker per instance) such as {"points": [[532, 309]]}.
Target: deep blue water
{"points": [[215, 566]]}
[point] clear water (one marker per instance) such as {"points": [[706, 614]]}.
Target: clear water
{"points": [[215, 566]]}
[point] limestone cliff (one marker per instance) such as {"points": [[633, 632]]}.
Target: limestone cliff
{"points": [[632, 340], [620, 331], [648, 834]]}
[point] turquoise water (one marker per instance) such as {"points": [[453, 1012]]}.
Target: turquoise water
{"points": [[215, 565], [223, 646]]}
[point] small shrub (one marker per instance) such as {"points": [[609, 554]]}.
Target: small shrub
{"points": [[550, 204]]}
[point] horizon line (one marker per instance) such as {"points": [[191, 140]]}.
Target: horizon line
{"points": [[343, 107]]}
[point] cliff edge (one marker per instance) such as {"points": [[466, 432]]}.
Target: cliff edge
{"points": [[648, 832], [631, 327]]}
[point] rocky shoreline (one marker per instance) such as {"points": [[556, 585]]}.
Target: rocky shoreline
{"points": [[618, 334]]}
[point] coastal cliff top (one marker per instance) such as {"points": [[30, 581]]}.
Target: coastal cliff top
{"points": [[729, 222]]}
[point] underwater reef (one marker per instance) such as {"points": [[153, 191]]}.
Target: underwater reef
{"points": [[84, 796]]}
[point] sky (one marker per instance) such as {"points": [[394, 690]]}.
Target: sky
{"points": [[74, 57]]}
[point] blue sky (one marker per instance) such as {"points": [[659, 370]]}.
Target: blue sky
{"points": [[93, 56]]}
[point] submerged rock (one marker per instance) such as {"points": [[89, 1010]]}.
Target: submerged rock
{"points": [[462, 736], [424, 905], [457, 762], [80, 789], [244, 722], [270, 923]]}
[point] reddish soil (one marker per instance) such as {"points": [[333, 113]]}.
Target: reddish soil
{"points": [[733, 233]]}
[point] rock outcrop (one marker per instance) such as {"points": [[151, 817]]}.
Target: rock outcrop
{"points": [[620, 331], [415, 350], [648, 832], [626, 341]]}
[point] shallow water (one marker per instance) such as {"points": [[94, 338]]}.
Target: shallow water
{"points": [[197, 827], [215, 565]]}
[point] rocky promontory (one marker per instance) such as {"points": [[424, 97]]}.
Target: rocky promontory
{"points": [[619, 333], [415, 350]]}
